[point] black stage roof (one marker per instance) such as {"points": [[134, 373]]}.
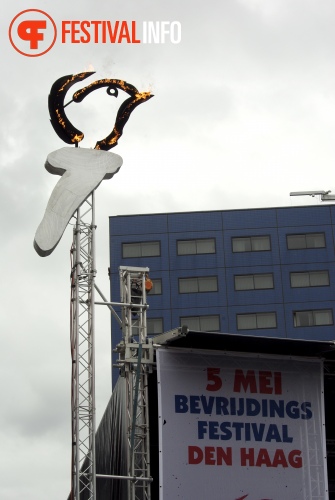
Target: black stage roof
{"points": [[190, 339]]}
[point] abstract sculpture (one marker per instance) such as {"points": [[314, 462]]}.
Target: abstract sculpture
{"points": [[81, 169]]}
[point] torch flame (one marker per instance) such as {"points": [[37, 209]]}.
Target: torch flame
{"points": [[67, 131], [90, 67]]}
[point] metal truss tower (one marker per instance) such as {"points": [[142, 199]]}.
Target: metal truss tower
{"points": [[136, 361], [82, 351]]}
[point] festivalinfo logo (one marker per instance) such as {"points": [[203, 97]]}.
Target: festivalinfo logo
{"points": [[33, 32]]}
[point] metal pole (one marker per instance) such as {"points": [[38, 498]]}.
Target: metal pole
{"points": [[75, 381], [93, 273], [125, 478]]}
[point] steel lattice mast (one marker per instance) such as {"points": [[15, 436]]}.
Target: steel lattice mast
{"points": [[136, 362], [82, 349]]}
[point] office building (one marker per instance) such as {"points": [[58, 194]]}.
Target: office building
{"points": [[265, 272]]}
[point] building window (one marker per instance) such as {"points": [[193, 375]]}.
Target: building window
{"points": [[303, 241], [154, 326], [141, 249], [309, 278], [251, 244], [256, 321], [157, 287], [319, 317], [194, 247], [254, 282], [202, 323], [198, 285]]}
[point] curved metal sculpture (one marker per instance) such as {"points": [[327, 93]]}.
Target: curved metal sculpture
{"points": [[62, 125]]}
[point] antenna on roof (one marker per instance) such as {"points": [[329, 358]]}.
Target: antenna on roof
{"points": [[324, 195]]}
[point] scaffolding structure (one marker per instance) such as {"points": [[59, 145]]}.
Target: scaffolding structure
{"points": [[82, 351], [135, 363]]}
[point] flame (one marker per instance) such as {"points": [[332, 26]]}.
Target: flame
{"points": [[77, 138], [143, 96], [106, 82], [70, 80], [60, 119], [89, 68], [122, 117], [64, 128], [112, 141]]}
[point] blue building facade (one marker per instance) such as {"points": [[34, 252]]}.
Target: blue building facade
{"points": [[267, 272]]}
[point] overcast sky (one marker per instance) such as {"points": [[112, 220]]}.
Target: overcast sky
{"points": [[243, 113]]}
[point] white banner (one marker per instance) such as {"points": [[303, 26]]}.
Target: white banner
{"points": [[240, 427]]}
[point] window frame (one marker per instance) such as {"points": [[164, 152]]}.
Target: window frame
{"points": [[183, 321], [305, 235], [251, 238], [160, 318], [256, 314], [161, 286], [198, 278], [309, 272], [141, 243], [196, 240], [313, 311], [253, 279]]}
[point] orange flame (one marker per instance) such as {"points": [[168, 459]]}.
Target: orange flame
{"points": [[63, 126]]}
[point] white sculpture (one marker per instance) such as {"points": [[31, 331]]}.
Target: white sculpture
{"points": [[82, 171]]}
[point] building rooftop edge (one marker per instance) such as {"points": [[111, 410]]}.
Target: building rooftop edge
{"points": [[221, 210]]}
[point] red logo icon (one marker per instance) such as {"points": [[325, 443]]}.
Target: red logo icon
{"points": [[32, 32]]}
